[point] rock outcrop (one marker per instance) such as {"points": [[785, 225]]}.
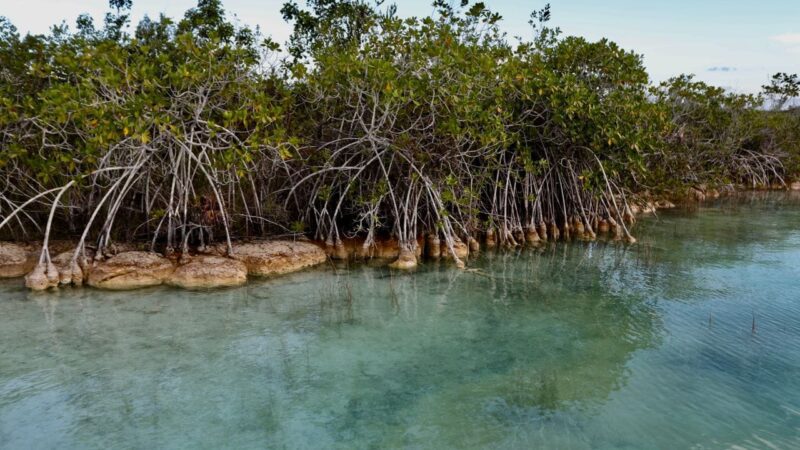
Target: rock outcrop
{"points": [[381, 248], [43, 276], [61, 271], [459, 247], [16, 260], [406, 260], [69, 272], [266, 258], [205, 272], [433, 246], [697, 194], [131, 270], [664, 204]]}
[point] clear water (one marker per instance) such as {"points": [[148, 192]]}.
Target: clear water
{"points": [[690, 339]]}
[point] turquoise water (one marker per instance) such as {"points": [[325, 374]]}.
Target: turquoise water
{"points": [[690, 339]]}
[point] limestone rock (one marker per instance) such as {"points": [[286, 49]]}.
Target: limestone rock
{"points": [[38, 280], [519, 236], [648, 208], [491, 240], [69, 272], [459, 247], [554, 232], [542, 231], [205, 272], [664, 204], [386, 249], [531, 235], [577, 226], [340, 251], [406, 260], [795, 186], [131, 270], [43, 276], [434, 246], [16, 260], [697, 194], [474, 246], [278, 257]]}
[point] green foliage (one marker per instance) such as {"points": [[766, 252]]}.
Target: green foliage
{"points": [[721, 137], [373, 122], [783, 88]]}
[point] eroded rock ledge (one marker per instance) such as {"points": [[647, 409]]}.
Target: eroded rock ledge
{"points": [[265, 258], [133, 269], [204, 272], [129, 268], [16, 260]]}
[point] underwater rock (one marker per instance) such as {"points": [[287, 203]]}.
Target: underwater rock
{"points": [[131, 270], [205, 272]]}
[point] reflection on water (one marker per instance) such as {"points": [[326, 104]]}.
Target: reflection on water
{"points": [[690, 338]]}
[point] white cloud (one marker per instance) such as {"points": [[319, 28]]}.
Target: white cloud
{"points": [[787, 38]]}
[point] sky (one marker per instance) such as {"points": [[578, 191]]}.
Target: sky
{"points": [[735, 44]]}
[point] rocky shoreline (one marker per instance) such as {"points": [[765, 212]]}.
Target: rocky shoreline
{"points": [[131, 268]]}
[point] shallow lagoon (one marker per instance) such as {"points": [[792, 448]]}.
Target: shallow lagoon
{"points": [[689, 339]]}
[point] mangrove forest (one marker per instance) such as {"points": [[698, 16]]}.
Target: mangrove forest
{"points": [[440, 133]]}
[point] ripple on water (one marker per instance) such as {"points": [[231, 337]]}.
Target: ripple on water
{"points": [[586, 345]]}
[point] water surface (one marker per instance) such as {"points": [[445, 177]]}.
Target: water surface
{"points": [[689, 339]]}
